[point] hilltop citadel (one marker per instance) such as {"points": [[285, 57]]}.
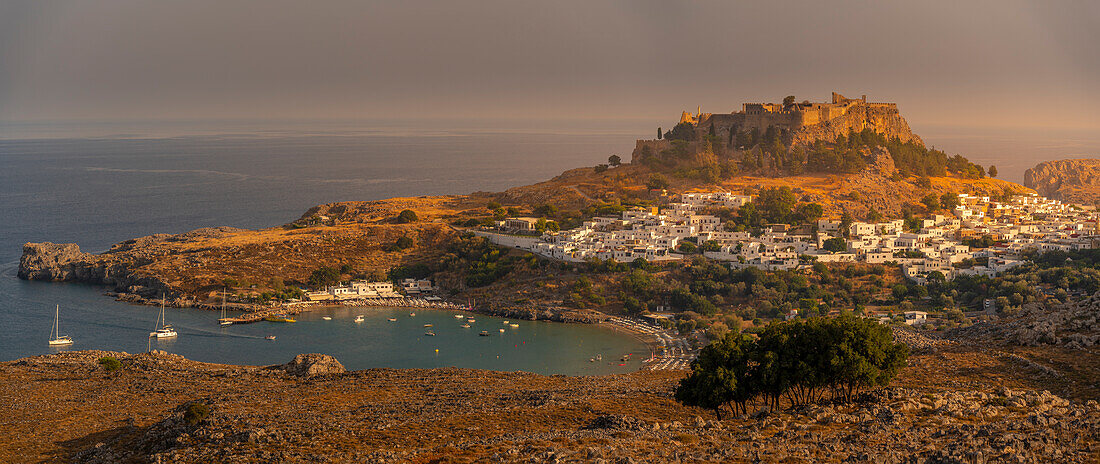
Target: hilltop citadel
{"points": [[803, 122]]}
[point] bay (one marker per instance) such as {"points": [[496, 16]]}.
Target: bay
{"points": [[109, 185]]}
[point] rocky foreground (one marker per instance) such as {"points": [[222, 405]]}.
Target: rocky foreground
{"points": [[953, 404]]}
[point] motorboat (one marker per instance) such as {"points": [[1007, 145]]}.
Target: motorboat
{"points": [[484, 333], [458, 316], [56, 339], [465, 326], [359, 318], [501, 330], [513, 325], [429, 333], [269, 337], [427, 325], [327, 318], [392, 319]]}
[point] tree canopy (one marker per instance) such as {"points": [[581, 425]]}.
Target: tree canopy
{"points": [[800, 360]]}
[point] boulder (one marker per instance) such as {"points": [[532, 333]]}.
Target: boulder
{"points": [[308, 365]]}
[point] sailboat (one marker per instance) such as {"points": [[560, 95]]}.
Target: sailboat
{"points": [[163, 329], [56, 338], [223, 321]]}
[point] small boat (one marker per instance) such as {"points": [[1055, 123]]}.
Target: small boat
{"points": [[56, 339], [412, 314], [162, 329], [279, 318], [427, 325], [505, 322], [513, 325], [465, 326], [222, 321], [359, 318], [599, 357], [470, 319], [392, 319], [269, 337], [484, 333], [458, 316], [501, 330], [429, 333], [327, 318]]}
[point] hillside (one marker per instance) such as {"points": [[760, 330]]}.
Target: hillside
{"points": [[359, 238], [956, 402], [1071, 181]]}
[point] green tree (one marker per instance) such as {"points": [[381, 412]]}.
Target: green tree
{"points": [[776, 204], [406, 216], [992, 171], [323, 277], [836, 245], [949, 201], [931, 201], [713, 381], [788, 101], [660, 133], [601, 168], [657, 182], [614, 160]]}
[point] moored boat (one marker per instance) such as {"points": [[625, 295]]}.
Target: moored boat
{"points": [[279, 318], [327, 318], [359, 318], [162, 329], [484, 333], [56, 339]]}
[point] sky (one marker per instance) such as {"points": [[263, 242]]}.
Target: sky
{"points": [[982, 63]]}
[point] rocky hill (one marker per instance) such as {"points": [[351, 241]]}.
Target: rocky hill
{"points": [[1071, 181]]}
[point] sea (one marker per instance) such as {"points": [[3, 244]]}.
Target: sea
{"points": [[96, 184]]}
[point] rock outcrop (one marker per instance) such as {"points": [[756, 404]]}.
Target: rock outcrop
{"points": [[1070, 181], [311, 364], [51, 261], [1074, 325]]}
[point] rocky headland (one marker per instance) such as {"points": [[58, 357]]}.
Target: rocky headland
{"points": [[1071, 180]]}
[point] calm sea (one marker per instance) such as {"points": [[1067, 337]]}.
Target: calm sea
{"points": [[113, 182]]}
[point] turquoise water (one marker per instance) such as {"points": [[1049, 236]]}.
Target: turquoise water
{"points": [[102, 190]]}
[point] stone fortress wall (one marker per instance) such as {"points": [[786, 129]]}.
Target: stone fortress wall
{"points": [[805, 121]]}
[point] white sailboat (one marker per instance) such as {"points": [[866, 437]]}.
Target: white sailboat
{"points": [[56, 338], [222, 321], [163, 329]]}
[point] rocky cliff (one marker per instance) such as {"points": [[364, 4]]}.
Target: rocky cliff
{"points": [[883, 120], [1071, 181]]}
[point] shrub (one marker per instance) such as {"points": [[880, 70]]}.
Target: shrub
{"points": [[196, 412], [407, 216], [110, 364]]}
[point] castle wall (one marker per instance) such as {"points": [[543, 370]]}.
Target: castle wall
{"points": [[808, 122], [654, 147]]}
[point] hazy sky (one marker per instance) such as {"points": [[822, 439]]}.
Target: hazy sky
{"points": [[992, 62]]}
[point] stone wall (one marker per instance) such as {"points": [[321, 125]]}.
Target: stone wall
{"points": [[651, 147]]}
